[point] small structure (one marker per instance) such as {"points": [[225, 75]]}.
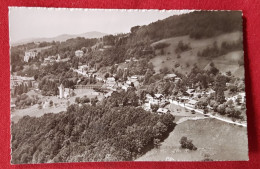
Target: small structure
{"points": [[192, 103], [190, 91], [163, 110], [170, 76], [29, 55], [79, 53], [108, 94], [64, 92], [83, 68], [110, 82], [61, 91]]}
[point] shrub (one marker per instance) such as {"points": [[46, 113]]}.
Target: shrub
{"points": [[161, 45], [182, 47], [187, 144]]}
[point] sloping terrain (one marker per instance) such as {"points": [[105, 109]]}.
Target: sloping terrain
{"points": [[228, 62], [213, 138]]}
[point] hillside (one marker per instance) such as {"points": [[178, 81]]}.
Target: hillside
{"points": [[215, 139], [197, 24], [224, 63]]}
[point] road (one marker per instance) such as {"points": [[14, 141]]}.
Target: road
{"points": [[209, 115]]}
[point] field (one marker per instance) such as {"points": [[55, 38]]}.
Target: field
{"points": [[218, 140], [169, 58], [59, 104]]}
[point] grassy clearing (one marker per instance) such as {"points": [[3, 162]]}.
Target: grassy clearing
{"points": [[169, 59], [58, 104], [220, 140]]}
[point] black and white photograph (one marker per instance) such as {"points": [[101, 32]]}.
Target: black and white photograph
{"points": [[101, 85]]}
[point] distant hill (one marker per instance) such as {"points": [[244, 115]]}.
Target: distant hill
{"points": [[63, 37]]}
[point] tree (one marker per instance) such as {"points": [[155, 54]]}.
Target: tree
{"points": [[187, 144], [77, 100], [106, 75], [154, 107], [51, 103], [221, 109]]}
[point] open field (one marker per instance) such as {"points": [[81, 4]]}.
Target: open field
{"points": [[217, 139], [58, 104], [169, 59]]}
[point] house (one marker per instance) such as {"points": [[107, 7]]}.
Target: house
{"points": [[111, 82], [99, 79], [171, 76], [163, 110], [83, 68], [64, 92], [79, 53], [29, 55], [158, 96], [184, 98], [190, 91], [177, 79], [192, 103], [151, 100], [108, 94]]}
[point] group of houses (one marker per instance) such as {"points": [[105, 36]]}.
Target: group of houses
{"points": [[18, 80], [29, 55]]}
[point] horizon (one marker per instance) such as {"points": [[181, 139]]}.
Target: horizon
{"points": [[38, 22]]}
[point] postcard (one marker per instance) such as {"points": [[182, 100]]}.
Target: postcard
{"points": [[91, 85]]}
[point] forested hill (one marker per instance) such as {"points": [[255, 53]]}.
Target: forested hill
{"points": [[197, 24], [87, 133]]}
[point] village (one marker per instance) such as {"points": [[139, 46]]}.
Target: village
{"points": [[105, 86], [169, 89]]}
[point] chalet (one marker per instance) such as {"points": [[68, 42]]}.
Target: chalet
{"points": [[163, 110], [171, 76], [177, 79], [108, 94], [79, 53], [183, 99], [111, 82], [158, 96], [83, 68], [127, 60], [151, 100], [192, 103], [190, 92], [99, 79]]}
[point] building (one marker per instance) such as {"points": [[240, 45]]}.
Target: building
{"points": [[192, 103], [64, 92], [29, 55], [171, 76], [163, 110], [83, 68], [79, 53]]}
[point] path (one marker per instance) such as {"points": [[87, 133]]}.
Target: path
{"points": [[210, 115]]}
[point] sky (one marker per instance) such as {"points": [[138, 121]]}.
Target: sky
{"points": [[26, 23]]}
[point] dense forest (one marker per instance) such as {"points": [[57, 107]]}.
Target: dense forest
{"points": [[198, 24], [88, 133]]}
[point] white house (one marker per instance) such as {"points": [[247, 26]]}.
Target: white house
{"points": [[170, 76], [29, 55], [79, 53], [163, 110], [111, 82], [64, 92], [192, 103]]}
